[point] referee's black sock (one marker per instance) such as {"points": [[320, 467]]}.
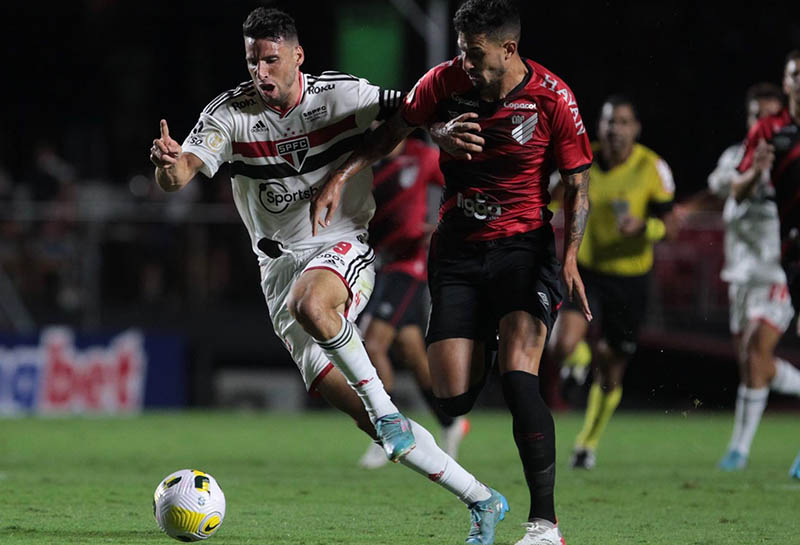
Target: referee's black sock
{"points": [[444, 419], [534, 433]]}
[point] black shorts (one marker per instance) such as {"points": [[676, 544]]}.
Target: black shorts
{"points": [[474, 284], [618, 305], [399, 299]]}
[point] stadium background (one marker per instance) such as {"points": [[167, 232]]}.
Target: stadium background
{"points": [[89, 242]]}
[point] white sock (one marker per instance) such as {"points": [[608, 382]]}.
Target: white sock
{"points": [[738, 417], [786, 379], [753, 401], [429, 460], [347, 353]]}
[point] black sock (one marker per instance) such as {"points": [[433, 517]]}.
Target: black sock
{"points": [[535, 435], [444, 419]]}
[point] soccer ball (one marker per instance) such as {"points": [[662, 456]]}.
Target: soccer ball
{"points": [[189, 505]]}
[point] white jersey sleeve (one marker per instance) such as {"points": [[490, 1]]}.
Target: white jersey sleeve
{"points": [[721, 179], [211, 137]]}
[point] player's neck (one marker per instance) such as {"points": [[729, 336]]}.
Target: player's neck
{"points": [[794, 110], [614, 158]]}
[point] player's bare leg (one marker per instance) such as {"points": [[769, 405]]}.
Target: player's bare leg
{"points": [[569, 332], [317, 301], [410, 348], [427, 458], [571, 328]]}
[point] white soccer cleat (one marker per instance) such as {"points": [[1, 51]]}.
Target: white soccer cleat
{"points": [[541, 532], [374, 457], [453, 434]]}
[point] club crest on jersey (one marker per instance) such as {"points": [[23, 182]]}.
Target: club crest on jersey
{"points": [[525, 127], [294, 151]]}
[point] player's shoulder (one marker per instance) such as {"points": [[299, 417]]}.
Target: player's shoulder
{"points": [[330, 80], [645, 154], [655, 164], [547, 85], [239, 98]]}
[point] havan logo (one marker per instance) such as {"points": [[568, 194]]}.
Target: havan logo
{"points": [[294, 151]]}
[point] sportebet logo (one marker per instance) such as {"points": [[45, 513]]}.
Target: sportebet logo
{"points": [[275, 197]]}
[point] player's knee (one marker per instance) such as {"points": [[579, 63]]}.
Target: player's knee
{"points": [[307, 309], [457, 405]]}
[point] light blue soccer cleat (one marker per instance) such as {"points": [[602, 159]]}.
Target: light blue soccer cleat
{"points": [[394, 433], [484, 517], [733, 461], [794, 471]]}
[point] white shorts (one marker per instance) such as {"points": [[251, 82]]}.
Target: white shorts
{"points": [[351, 260], [769, 303]]}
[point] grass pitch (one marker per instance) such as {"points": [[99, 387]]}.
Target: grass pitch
{"points": [[291, 479]]}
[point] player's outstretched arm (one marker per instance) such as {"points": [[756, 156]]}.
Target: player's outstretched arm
{"points": [[576, 212], [377, 145], [744, 183], [174, 169]]}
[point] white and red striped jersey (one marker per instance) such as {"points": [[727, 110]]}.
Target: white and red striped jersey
{"points": [[280, 159], [752, 230]]}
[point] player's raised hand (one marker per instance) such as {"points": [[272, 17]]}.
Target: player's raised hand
{"points": [[458, 136], [574, 284], [763, 156], [164, 152], [326, 201]]}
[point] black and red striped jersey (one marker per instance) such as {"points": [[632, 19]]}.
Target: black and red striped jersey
{"points": [[397, 230], [529, 133], [783, 133]]}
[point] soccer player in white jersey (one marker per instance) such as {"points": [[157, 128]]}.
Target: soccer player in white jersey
{"points": [[760, 306], [283, 133]]}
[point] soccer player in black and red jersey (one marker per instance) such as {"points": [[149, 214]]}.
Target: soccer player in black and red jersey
{"points": [[395, 317], [772, 156], [493, 272]]}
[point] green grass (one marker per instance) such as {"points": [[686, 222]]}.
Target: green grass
{"points": [[292, 480]]}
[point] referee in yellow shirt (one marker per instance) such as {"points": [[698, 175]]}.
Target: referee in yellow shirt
{"points": [[631, 196]]}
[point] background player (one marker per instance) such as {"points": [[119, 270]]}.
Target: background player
{"points": [[313, 287], [631, 191], [398, 309], [760, 307], [772, 157], [493, 272]]}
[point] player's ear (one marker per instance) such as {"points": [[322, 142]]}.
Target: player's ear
{"points": [[299, 54], [510, 47]]}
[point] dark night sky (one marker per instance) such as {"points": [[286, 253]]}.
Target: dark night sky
{"points": [[94, 77]]}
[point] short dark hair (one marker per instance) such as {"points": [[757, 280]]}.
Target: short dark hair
{"points": [[794, 55], [269, 23], [622, 100], [497, 19], [762, 91]]}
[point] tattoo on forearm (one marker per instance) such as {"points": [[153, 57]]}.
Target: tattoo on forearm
{"points": [[576, 208]]}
